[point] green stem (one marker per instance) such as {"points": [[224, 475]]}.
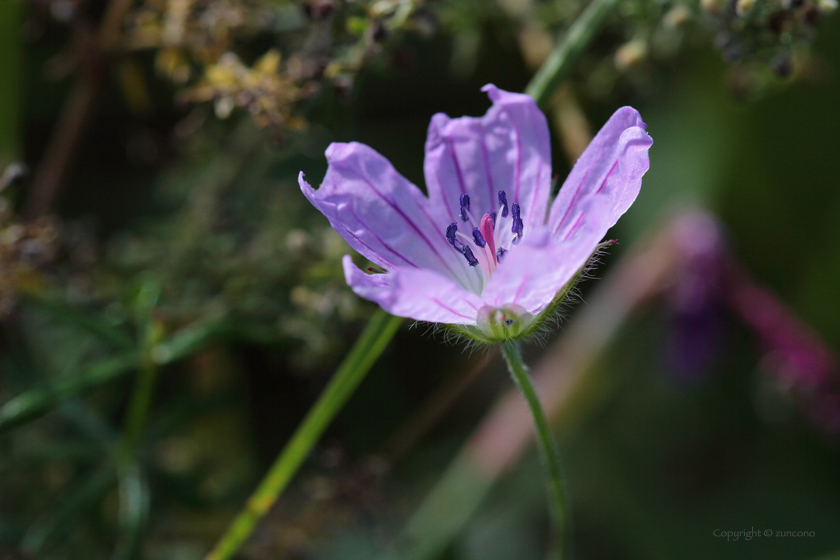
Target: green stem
{"points": [[138, 406], [549, 452], [378, 333], [133, 491], [567, 51]]}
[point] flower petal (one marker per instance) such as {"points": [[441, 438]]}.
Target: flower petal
{"points": [[380, 213], [534, 271], [612, 166], [422, 295], [508, 149]]}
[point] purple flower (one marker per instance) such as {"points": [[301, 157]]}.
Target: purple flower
{"points": [[483, 252]]}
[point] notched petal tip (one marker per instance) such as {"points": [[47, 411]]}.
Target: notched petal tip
{"points": [[500, 97], [310, 193], [304, 185], [338, 152], [350, 270], [612, 165], [363, 284], [492, 91], [438, 129], [629, 117]]}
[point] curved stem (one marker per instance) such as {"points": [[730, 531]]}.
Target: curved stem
{"points": [[378, 333], [567, 51], [549, 452]]}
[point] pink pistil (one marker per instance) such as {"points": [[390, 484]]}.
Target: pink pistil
{"points": [[486, 229]]}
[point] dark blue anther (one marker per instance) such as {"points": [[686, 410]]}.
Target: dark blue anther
{"points": [[465, 206], [503, 204], [499, 254], [451, 230], [517, 221], [469, 256], [478, 238]]}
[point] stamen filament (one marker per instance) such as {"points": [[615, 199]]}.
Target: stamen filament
{"points": [[491, 239], [471, 246]]}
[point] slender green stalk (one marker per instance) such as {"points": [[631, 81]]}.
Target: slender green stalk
{"points": [[378, 333], [138, 407], [133, 490], [549, 452], [567, 51]]}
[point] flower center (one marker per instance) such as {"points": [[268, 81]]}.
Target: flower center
{"points": [[492, 235]]}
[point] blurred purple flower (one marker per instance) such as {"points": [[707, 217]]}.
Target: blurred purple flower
{"points": [[707, 282], [696, 296], [795, 354], [478, 252], [800, 357]]}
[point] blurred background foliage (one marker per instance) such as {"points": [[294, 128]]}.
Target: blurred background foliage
{"points": [[171, 305]]}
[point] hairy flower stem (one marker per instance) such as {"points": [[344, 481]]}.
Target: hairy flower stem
{"points": [[568, 49], [549, 452], [378, 333]]}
